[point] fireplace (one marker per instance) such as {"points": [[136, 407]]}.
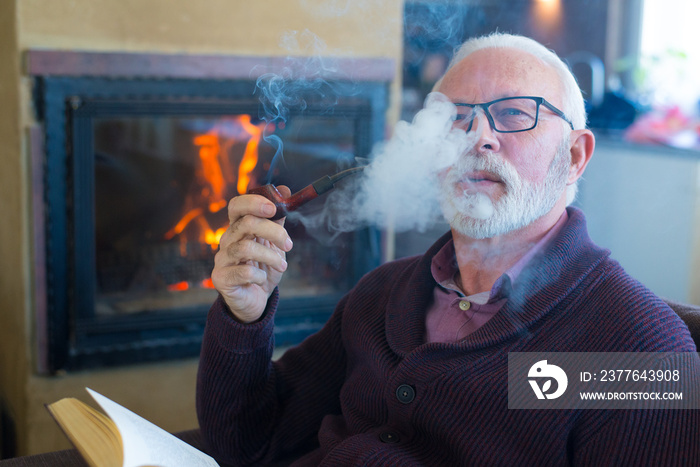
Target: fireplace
{"points": [[137, 169]]}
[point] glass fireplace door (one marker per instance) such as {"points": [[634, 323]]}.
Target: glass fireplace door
{"points": [[162, 186], [137, 189]]}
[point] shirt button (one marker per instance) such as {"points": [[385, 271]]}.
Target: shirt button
{"points": [[464, 305], [389, 437], [405, 394]]}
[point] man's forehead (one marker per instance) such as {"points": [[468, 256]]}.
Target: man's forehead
{"points": [[506, 60], [493, 73]]}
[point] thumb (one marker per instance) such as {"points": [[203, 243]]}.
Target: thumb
{"points": [[284, 191]]}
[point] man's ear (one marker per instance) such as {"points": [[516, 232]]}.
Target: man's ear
{"points": [[582, 146]]}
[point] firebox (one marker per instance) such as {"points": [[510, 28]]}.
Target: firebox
{"points": [[137, 176]]}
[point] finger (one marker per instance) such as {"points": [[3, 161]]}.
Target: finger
{"points": [[250, 251], [254, 205], [236, 276], [286, 193], [251, 227]]}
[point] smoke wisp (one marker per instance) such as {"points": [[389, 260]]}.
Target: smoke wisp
{"points": [[309, 73]]}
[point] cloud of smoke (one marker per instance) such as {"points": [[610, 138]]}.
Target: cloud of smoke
{"points": [[400, 188], [309, 72]]}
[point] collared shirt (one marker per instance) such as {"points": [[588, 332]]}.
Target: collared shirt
{"points": [[453, 315]]}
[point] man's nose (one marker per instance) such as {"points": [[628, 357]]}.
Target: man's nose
{"points": [[486, 136]]}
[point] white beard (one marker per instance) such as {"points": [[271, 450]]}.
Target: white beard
{"points": [[475, 215]]}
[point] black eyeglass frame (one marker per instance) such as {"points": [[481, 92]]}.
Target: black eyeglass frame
{"points": [[538, 100]]}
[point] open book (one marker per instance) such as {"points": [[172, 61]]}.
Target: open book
{"points": [[121, 438]]}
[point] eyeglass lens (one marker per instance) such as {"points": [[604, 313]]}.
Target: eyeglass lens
{"points": [[506, 115]]}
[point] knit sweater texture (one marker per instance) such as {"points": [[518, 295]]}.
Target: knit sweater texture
{"points": [[333, 401]]}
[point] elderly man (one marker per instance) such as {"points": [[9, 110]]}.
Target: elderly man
{"points": [[411, 369]]}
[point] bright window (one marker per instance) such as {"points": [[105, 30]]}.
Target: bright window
{"points": [[670, 54]]}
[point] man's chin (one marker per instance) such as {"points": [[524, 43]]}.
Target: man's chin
{"points": [[466, 223], [486, 222], [477, 205], [474, 228]]}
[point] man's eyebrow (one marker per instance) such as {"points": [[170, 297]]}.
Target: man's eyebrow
{"points": [[498, 96], [464, 101]]}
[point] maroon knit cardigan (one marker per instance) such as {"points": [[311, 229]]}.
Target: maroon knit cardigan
{"points": [[367, 390]]}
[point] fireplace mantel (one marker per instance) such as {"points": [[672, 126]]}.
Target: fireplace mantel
{"points": [[40, 62]]}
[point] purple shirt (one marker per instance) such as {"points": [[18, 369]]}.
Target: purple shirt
{"points": [[452, 315]]}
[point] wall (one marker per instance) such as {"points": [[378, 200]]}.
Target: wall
{"points": [[651, 227], [162, 393], [14, 298]]}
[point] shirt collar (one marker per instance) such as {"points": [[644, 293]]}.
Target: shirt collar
{"points": [[444, 264]]}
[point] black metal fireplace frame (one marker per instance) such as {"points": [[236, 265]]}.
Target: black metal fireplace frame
{"points": [[66, 106]]}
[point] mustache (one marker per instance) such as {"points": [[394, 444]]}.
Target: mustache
{"points": [[485, 162]]}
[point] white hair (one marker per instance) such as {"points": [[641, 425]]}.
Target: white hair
{"points": [[572, 101]]}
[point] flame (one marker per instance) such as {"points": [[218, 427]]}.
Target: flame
{"points": [[179, 286], [213, 238], [250, 156], [209, 152], [214, 149], [182, 223]]}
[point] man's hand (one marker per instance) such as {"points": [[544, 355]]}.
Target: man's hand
{"points": [[251, 256]]}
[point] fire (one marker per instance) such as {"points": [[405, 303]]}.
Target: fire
{"points": [[184, 285], [213, 148], [209, 151], [179, 286], [213, 238], [250, 157], [182, 223]]}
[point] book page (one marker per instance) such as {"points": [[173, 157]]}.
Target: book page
{"points": [[147, 444]]}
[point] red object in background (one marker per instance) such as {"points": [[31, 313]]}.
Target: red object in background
{"points": [[670, 127]]}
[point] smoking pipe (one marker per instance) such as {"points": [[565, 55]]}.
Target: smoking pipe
{"points": [[303, 196]]}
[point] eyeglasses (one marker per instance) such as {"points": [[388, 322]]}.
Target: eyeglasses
{"points": [[507, 115]]}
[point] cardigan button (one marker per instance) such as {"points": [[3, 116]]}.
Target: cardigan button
{"points": [[464, 305], [405, 394], [390, 437]]}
